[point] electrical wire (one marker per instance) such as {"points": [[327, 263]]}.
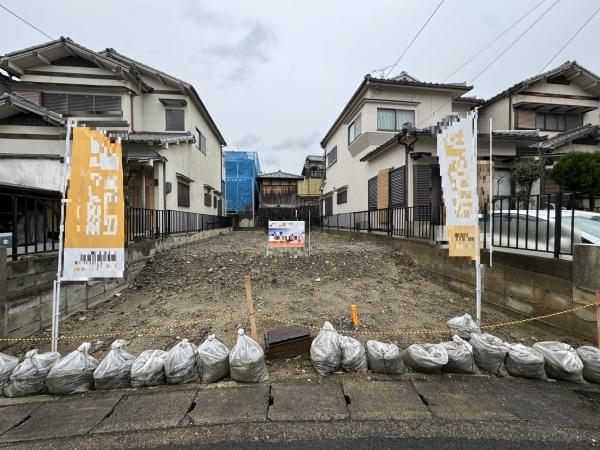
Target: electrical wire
{"points": [[570, 39], [25, 21], [393, 66], [496, 39]]}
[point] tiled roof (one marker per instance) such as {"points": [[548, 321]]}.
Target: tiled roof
{"points": [[566, 137], [20, 103], [319, 158], [142, 137], [280, 174], [516, 134]]}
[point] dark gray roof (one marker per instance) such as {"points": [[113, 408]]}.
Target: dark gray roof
{"points": [[148, 137], [569, 65], [280, 174], [318, 158], [405, 80], [516, 134], [566, 137], [21, 104], [468, 99]]}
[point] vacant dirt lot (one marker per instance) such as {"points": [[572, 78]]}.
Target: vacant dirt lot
{"points": [[204, 282]]}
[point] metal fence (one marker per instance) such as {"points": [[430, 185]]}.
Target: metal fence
{"points": [[528, 224], [30, 224]]}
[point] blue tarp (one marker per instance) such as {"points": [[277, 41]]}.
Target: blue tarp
{"points": [[241, 169]]}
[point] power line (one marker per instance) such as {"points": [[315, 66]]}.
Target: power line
{"points": [[500, 36], [570, 39], [517, 39], [25, 21], [393, 66], [497, 57]]}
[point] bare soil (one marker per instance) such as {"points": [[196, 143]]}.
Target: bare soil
{"points": [[204, 282]]}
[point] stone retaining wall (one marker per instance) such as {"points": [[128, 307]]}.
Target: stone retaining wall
{"points": [[525, 284], [26, 285]]}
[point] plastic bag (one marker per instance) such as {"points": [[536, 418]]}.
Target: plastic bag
{"points": [[425, 357], [562, 361], [148, 369], [458, 324], [180, 363], [590, 357], [489, 352], [385, 358], [460, 356], [29, 377], [213, 360], [524, 361], [7, 364], [74, 373], [354, 358], [325, 350], [247, 360], [114, 371]]}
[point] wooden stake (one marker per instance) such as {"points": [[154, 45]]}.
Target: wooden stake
{"points": [[598, 317], [355, 319], [251, 316]]}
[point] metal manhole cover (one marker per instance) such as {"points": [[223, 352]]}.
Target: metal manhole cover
{"points": [[591, 397]]}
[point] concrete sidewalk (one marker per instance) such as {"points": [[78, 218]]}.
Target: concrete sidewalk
{"points": [[415, 405]]}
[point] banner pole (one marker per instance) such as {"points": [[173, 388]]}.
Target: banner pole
{"points": [[477, 234], [57, 282], [491, 197]]}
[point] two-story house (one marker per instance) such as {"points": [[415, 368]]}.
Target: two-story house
{"points": [[380, 151], [171, 145], [561, 106]]}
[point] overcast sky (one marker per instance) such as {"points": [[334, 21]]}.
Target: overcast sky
{"points": [[275, 74]]}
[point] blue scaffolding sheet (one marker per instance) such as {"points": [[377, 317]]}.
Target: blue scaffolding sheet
{"points": [[241, 169]]}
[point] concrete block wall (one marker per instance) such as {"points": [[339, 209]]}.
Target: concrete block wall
{"points": [[528, 285], [26, 285]]}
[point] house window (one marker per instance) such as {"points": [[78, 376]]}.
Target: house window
{"points": [[342, 196], [332, 156], [215, 201], [328, 205], [175, 119], [372, 193], [183, 194], [394, 119], [201, 144], [207, 199], [354, 130], [78, 104], [557, 122]]}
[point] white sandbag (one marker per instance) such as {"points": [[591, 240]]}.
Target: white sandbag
{"points": [[180, 363], [524, 361], [7, 365], [460, 356], [325, 350], [213, 360], [463, 326], [29, 377], [425, 357], [354, 358], [561, 361], [148, 369], [247, 360], [590, 357], [73, 373], [114, 371], [489, 352], [385, 358]]}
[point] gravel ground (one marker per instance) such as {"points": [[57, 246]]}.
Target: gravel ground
{"points": [[203, 282]]}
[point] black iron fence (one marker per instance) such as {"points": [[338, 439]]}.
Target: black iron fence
{"points": [[30, 224], [550, 223]]}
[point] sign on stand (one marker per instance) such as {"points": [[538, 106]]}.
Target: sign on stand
{"points": [[457, 154], [285, 237], [92, 238]]}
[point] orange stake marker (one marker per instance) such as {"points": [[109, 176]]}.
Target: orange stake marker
{"points": [[355, 319]]}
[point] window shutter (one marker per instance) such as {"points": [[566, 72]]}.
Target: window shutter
{"points": [[107, 103], [80, 103], [55, 102], [397, 187], [373, 193], [525, 119], [422, 185]]}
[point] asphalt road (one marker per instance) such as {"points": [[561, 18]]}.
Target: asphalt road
{"points": [[378, 443]]}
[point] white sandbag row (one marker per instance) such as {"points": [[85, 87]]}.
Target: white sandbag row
{"points": [[331, 352], [79, 372]]}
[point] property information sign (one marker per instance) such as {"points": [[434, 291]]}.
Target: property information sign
{"points": [[458, 167], [286, 234], [95, 217]]}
